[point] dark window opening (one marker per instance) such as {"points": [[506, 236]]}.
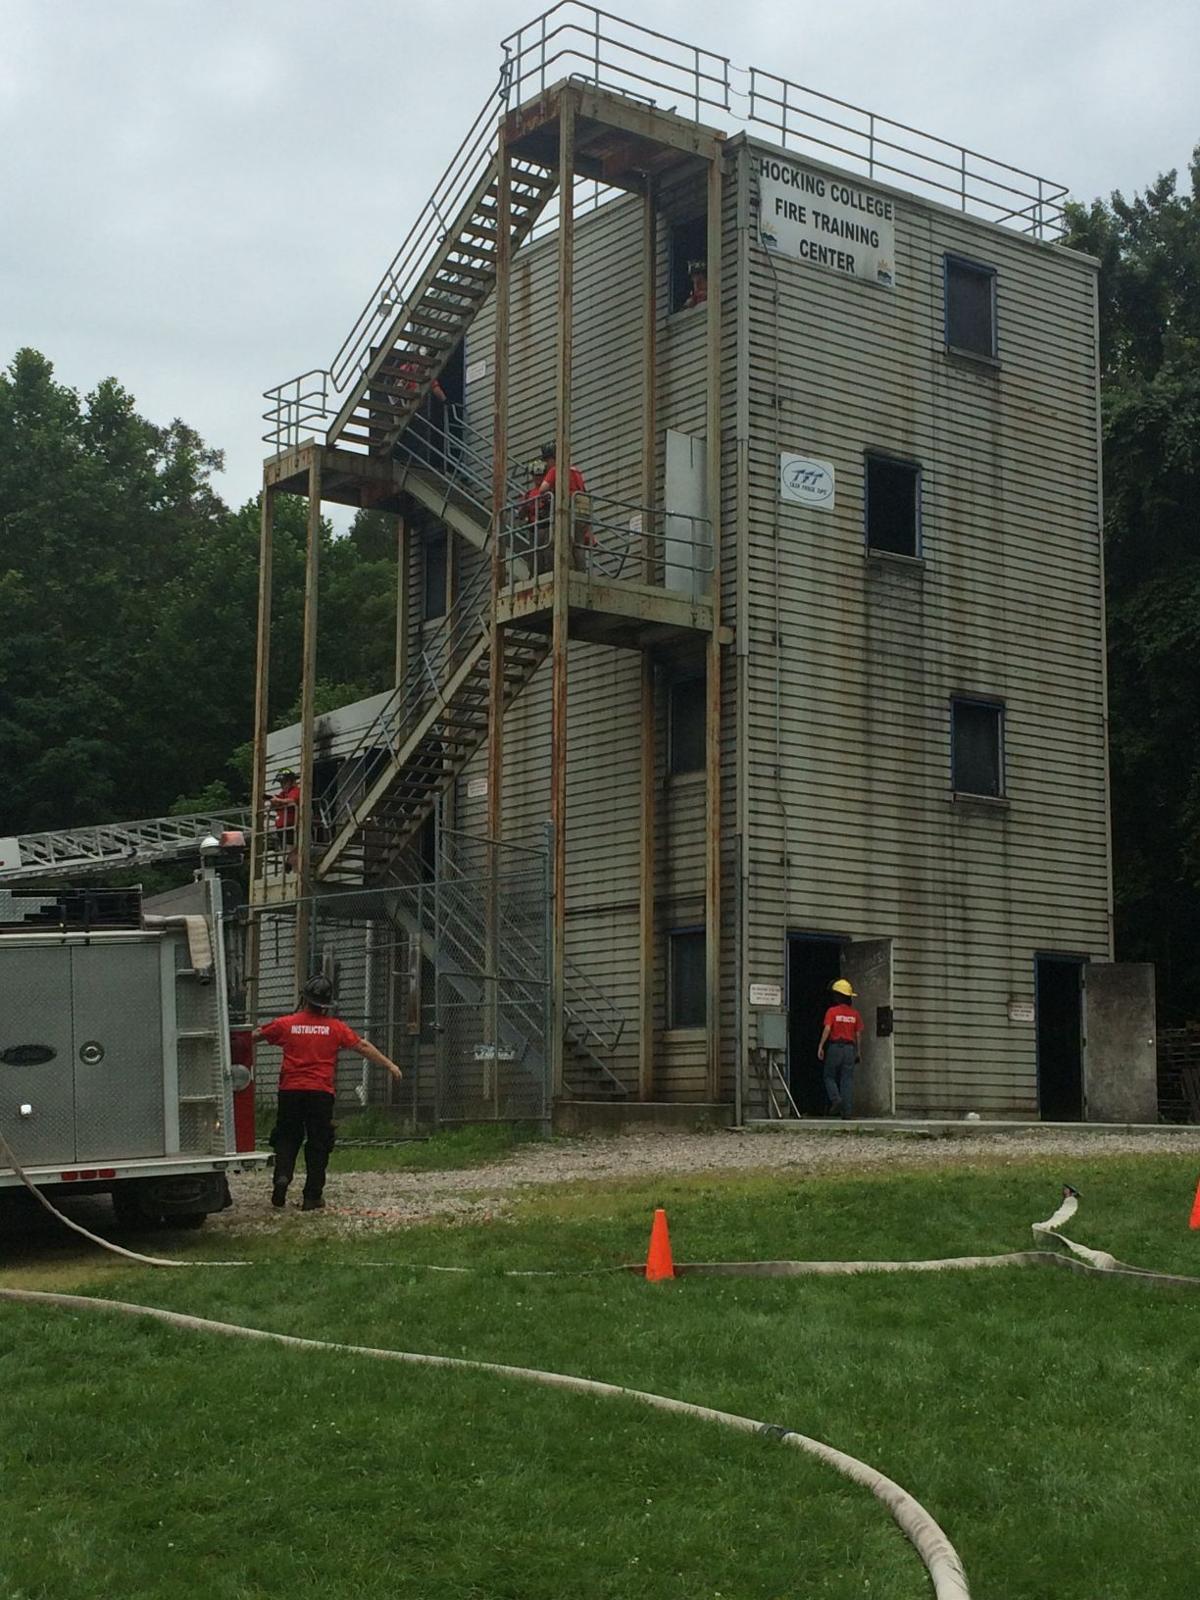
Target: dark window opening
{"points": [[970, 307], [893, 506], [688, 264], [433, 599], [686, 715], [977, 748], [686, 990]]}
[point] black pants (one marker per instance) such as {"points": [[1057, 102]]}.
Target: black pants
{"points": [[305, 1117]]}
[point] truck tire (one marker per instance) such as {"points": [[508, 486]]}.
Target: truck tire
{"points": [[187, 1219], [133, 1207]]}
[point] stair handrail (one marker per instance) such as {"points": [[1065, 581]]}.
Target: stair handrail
{"points": [[586, 1004], [410, 700], [466, 454], [350, 361]]}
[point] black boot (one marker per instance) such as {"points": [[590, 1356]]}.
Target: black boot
{"points": [[312, 1202], [279, 1195]]}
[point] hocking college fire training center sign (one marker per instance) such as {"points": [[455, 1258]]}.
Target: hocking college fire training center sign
{"points": [[815, 216]]}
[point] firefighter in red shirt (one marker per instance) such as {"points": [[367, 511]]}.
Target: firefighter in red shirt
{"points": [[284, 804], [840, 1048], [541, 496], [310, 1039]]}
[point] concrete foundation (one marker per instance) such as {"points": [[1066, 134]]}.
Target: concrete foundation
{"points": [[638, 1116]]}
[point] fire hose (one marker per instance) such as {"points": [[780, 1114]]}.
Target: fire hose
{"points": [[933, 1546]]}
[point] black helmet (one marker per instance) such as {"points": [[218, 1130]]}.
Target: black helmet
{"points": [[549, 451], [287, 772], [318, 991]]}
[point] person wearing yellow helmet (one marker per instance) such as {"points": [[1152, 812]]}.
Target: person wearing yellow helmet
{"points": [[839, 1049]]}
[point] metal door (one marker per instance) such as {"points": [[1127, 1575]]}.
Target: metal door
{"points": [[37, 1078], [117, 1005], [684, 490], [1120, 1066], [867, 963]]}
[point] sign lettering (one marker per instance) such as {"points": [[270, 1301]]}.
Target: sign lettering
{"points": [[813, 216]]}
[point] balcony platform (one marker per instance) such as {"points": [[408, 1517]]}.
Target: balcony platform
{"points": [[626, 615]]}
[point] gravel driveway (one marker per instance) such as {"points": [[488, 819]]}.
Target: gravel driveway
{"points": [[368, 1201]]}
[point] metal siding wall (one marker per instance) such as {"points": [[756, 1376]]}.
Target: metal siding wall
{"points": [[1008, 603], [603, 684], [603, 699]]}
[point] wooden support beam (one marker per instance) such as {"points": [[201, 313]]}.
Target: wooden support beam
{"points": [[649, 379], [562, 543], [258, 780], [646, 946], [495, 746], [308, 702], [712, 738]]}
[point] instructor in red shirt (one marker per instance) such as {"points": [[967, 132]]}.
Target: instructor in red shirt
{"points": [[840, 1048], [310, 1040]]}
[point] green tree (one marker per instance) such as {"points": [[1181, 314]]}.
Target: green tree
{"points": [[128, 598], [1149, 250]]}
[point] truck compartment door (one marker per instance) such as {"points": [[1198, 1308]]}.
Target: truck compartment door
{"points": [[37, 1063], [117, 1006]]}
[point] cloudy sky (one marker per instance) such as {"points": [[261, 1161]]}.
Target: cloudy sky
{"points": [[198, 195]]}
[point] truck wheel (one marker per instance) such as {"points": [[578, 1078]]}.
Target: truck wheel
{"points": [[131, 1209], [187, 1219]]}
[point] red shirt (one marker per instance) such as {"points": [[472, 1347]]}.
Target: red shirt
{"points": [[310, 1041], [844, 1023], [575, 483], [284, 804]]}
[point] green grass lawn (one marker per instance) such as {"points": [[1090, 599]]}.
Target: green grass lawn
{"points": [[1048, 1421]]}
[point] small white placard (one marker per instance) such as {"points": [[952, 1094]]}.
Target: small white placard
{"points": [[492, 1052], [766, 994], [476, 788], [806, 482], [1021, 1011], [477, 370]]}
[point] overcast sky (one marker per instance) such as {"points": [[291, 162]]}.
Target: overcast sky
{"points": [[198, 195]]}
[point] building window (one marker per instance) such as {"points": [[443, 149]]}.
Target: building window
{"points": [[893, 499], [970, 306], [686, 714], [686, 989], [977, 747], [688, 264], [433, 598]]}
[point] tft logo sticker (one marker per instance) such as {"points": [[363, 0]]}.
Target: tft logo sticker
{"points": [[806, 482]]}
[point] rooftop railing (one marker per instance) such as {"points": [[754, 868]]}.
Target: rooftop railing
{"points": [[590, 45]]}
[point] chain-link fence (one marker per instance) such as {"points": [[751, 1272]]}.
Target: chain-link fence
{"points": [[448, 974]]}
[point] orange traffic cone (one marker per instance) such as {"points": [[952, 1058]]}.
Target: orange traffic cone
{"points": [[658, 1258], [1194, 1223]]}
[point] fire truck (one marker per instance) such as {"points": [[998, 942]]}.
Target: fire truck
{"points": [[119, 1070]]}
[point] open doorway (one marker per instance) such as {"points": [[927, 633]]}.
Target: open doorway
{"points": [[1059, 1037], [814, 961]]}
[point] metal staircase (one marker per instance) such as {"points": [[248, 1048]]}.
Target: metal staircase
{"points": [[439, 310], [453, 938], [422, 306], [109, 846]]}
